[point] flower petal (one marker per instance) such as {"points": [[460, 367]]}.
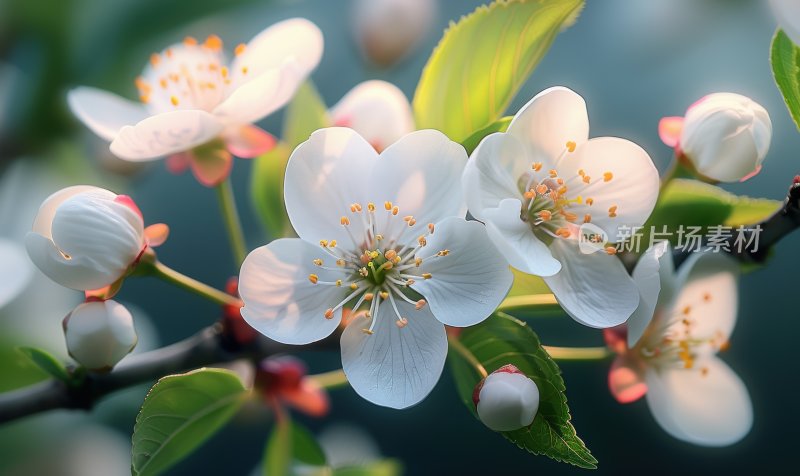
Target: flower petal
{"points": [[324, 176], [709, 292], [296, 38], [516, 242], [15, 271], [622, 176], [469, 282], [594, 289], [549, 121], [165, 134], [47, 211], [626, 380], [653, 276], [493, 172], [707, 405], [377, 110], [669, 130], [248, 142], [211, 166], [420, 174], [279, 299], [103, 112], [394, 367], [262, 96]]}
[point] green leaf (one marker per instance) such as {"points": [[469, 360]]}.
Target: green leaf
{"points": [[46, 362], [785, 59], [291, 444], [472, 141], [179, 413], [502, 340], [483, 60], [385, 467], [304, 114], [691, 203]]}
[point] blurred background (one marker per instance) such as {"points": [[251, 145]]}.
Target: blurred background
{"points": [[633, 61]]}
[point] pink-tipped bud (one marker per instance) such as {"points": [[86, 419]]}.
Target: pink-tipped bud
{"points": [[99, 334], [506, 400]]}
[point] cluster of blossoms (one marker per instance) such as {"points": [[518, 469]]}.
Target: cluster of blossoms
{"points": [[384, 249]]}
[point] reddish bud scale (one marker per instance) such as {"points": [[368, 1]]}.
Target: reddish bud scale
{"points": [[232, 322]]}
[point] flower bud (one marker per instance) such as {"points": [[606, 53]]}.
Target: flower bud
{"points": [[724, 136], [388, 30], [99, 334], [506, 400], [86, 237]]}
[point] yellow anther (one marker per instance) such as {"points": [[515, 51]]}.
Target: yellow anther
{"points": [[724, 346], [397, 260], [338, 283], [155, 59], [607, 176], [587, 218], [168, 52], [422, 241], [529, 194], [189, 41], [611, 250], [163, 83], [431, 228], [587, 179], [418, 262], [562, 190], [353, 286], [332, 244], [344, 221], [390, 254], [224, 71], [388, 265], [369, 296], [368, 315], [707, 297], [173, 100], [612, 211], [704, 371], [353, 208], [412, 222], [384, 295], [379, 237], [686, 310], [387, 205], [329, 313], [313, 278], [590, 201], [553, 173], [569, 216], [371, 206], [571, 146], [318, 262], [213, 42], [395, 210], [408, 218], [537, 166], [340, 262], [542, 189], [560, 181], [581, 172], [244, 69], [323, 243], [367, 332], [409, 282], [545, 215], [374, 254], [145, 99], [427, 275], [563, 232], [443, 253], [402, 322], [239, 49], [420, 304]]}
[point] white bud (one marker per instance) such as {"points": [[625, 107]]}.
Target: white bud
{"points": [[99, 334], [787, 12], [726, 136], [506, 400], [387, 30], [86, 237]]}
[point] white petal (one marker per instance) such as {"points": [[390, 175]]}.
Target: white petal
{"points": [[593, 288], [552, 118], [103, 112], [632, 188], [469, 283], [421, 174], [265, 94], [493, 172], [394, 367], [43, 222], [516, 242], [324, 176], [653, 276], [164, 134], [787, 12], [377, 110], [708, 407], [15, 271], [709, 289], [294, 39], [280, 301], [508, 401]]}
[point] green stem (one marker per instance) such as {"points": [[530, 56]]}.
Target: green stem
{"points": [[456, 345], [578, 353], [547, 302], [227, 203], [329, 380], [162, 271]]}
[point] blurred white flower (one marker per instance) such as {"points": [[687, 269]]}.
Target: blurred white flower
{"points": [[388, 30], [507, 399], [787, 12], [99, 334], [724, 136], [669, 354], [373, 227], [198, 109], [377, 110], [15, 271], [536, 184]]}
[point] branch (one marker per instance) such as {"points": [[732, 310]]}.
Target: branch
{"points": [[210, 346]]}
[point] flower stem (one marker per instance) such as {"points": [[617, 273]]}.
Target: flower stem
{"points": [[456, 345], [169, 275], [329, 380], [578, 353], [546, 302], [227, 203]]}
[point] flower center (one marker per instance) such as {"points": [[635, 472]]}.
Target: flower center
{"points": [[380, 263], [188, 75]]}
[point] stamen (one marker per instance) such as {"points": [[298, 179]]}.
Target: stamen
{"points": [[431, 227], [344, 221], [213, 42], [587, 218], [427, 275], [612, 211], [313, 278], [590, 201], [611, 250], [189, 41], [239, 49], [402, 322], [571, 146], [318, 262], [545, 215], [420, 304], [537, 166], [607, 176]]}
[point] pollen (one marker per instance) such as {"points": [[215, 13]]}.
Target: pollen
{"points": [[213, 43], [541, 189], [155, 59], [587, 179], [545, 215], [224, 71], [581, 172], [353, 286], [395, 211], [244, 69], [571, 146], [390, 254], [323, 243], [367, 332], [529, 194], [607, 176], [420, 304], [563, 233], [418, 262], [379, 237], [587, 218], [590, 201], [443, 253], [427, 275], [239, 49], [569, 216], [173, 100], [612, 211], [610, 250], [313, 278], [318, 262], [369, 296], [332, 244], [412, 222], [560, 181], [537, 166], [422, 241], [387, 205], [329, 313], [384, 295], [686, 310], [402, 322], [338, 283], [340, 262], [344, 221], [431, 228], [163, 83], [371, 206], [553, 173]]}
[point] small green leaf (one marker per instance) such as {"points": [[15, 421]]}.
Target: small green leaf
{"points": [[472, 141], [46, 362], [291, 444], [785, 59], [502, 340], [385, 467], [469, 81], [179, 413]]}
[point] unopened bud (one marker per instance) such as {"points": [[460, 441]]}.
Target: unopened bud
{"points": [[387, 30], [506, 400], [99, 334]]}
